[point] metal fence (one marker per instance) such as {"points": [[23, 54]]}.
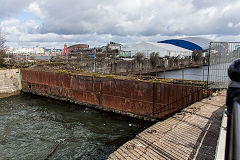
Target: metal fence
{"points": [[221, 54], [196, 73]]}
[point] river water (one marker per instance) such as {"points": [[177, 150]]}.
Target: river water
{"points": [[200, 73], [31, 126], [216, 72]]}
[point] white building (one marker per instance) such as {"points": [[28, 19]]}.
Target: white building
{"points": [[39, 51], [114, 46], [28, 51], [163, 49]]}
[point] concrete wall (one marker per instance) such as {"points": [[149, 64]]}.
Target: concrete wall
{"points": [[10, 81], [134, 98], [123, 67]]}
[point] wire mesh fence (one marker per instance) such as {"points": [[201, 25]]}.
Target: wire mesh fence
{"points": [[199, 73], [221, 54]]}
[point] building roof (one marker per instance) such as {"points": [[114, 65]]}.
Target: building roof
{"points": [[152, 46], [170, 47], [163, 49], [202, 42], [190, 43], [77, 46]]}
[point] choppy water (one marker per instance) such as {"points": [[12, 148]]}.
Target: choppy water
{"points": [[31, 126]]}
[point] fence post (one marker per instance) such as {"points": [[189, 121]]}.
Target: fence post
{"points": [[209, 52], [154, 99]]}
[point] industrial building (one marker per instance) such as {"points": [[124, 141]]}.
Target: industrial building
{"points": [[26, 51], [77, 48], [113, 46], [190, 43], [147, 48]]}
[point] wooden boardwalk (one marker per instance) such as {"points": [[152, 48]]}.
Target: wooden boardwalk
{"points": [[191, 134]]}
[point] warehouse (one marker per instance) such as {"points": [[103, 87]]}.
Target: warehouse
{"points": [[162, 48], [190, 43]]}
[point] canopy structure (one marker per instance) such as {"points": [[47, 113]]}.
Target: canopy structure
{"points": [[162, 48], [190, 43]]}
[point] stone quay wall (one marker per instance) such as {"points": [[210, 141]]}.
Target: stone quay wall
{"points": [[10, 81]]}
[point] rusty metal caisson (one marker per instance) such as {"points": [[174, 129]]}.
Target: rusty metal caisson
{"points": [[135, 98]]}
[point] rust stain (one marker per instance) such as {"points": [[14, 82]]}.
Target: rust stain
{"points": [[147, 99]]}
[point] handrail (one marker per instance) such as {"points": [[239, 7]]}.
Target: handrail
{"points": [[233, 133], [232, 149]]}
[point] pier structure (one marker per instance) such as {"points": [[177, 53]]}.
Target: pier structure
{"points": [[191, 134]]}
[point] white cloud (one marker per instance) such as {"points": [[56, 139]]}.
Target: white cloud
{"points": [[9, 8], [98, 22], [230, 24], [138, 17], [34, 9]]}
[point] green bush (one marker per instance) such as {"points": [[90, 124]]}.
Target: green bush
{"points": [[64, 71], [134, 78], [110, 76]]}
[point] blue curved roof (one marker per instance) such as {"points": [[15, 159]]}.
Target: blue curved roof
{"points": [[182, 43], [191, 43]]}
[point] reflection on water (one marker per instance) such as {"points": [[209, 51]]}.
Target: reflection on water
{"points": [[32, 126], [216, 72], [200, 73]]}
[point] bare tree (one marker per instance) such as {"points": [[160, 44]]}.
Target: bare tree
{"points": [[2, 51], [197, 55], [2, 56], [154, 58], [2, 40], [139, 58]]}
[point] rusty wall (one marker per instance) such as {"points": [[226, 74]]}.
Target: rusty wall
{"points": [[135, 98]]}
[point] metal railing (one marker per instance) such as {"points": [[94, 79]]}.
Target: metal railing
{"points": [[233, 141], [221, 54], [232, 149]]}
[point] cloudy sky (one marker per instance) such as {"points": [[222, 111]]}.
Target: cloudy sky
{"points": [[52, 23]]}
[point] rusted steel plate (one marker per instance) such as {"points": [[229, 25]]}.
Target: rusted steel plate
{"points": [[85, 97], [142, 98], [128, 89], [66, 81], [127, 105]]}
